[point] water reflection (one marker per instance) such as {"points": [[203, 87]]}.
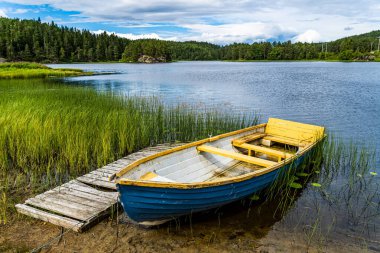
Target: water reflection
{"points": [[345, 97]]}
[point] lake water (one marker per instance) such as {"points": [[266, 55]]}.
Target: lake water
{"points": [[344, 97]]}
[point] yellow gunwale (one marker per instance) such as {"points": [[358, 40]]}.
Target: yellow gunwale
{"points": [[256, 173], [186, 146]]}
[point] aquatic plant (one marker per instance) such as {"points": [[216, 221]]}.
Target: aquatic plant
{"points": [[35, 70], [342, 192], [50, 132]]}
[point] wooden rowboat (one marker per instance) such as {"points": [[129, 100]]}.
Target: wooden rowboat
{"points": [[212, 172]]}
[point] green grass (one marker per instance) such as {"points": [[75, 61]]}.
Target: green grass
{"points": [[50, 132], [35, 70], [341, 185]]}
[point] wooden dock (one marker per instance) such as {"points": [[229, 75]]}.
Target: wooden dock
{"points": [[82, 202]]}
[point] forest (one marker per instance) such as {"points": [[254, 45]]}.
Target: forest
{"points": [[33, 40]]}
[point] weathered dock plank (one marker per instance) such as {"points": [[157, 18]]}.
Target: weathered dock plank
{"points": [[78, 203], [75, 192], [69, 211], [101, 182], [76, 185], [50, 217]]}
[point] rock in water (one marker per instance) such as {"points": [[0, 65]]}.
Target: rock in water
{"points": [[149, 59]]}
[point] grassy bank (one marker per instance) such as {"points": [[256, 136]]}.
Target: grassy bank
{"points": [[50, 132], [35, 70]]}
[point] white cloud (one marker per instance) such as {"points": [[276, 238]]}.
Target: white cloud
{"points": [[308, 36], [20, 11], [240, 32], [132, 36], [224, 21], [2, 13], [49, 19]]}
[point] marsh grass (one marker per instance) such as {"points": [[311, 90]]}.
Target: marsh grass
{"points": [[50, 133], [22, 70], [342, 193]]}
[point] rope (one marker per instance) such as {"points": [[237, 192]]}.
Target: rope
{"points": [[59, 237]]}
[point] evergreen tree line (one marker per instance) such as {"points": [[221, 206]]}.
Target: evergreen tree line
{"points": [[32, 40]]}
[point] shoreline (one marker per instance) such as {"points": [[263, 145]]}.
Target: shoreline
{"points": [[31, 70], [174, 61], [119, 235]]}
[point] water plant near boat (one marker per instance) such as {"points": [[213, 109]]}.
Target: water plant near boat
{"points": [[50, 133], [342, 192]]}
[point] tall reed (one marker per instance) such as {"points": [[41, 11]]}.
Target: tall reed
{"points": [[50, 132], [340, 181]]}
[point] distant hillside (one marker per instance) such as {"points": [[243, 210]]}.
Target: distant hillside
{"points": [[357, 43], [371, 36], [32, 40]]}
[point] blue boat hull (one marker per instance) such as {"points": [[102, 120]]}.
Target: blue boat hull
{"points": [[154, 204]]}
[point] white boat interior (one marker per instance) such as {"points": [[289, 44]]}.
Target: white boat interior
{"points": [[259, 147]]}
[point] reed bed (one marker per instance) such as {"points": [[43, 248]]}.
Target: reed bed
{"points": [[340, 180], [21, 70], [50, 133]]}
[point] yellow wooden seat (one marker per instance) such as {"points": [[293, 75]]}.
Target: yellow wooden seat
{"points": [[268, 151], [292, 133], [151, 176], [249, 138], [236, 156], [288, 141]]}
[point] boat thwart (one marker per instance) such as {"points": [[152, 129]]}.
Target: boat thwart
{"points": [[212, 172]]}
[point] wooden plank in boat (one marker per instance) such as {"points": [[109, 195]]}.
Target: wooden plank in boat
{"points": [[180, 166], [236, 156], [293, 130], [264, 150], [50, 217], [180, 170], [197, 169], [294, 125], [205, 173], [183, 162], [190, 175], [185, 147], [287, 141], [248, 138], [165, 161]]}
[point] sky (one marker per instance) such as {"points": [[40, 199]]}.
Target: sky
{"points": [[219, 21]]}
